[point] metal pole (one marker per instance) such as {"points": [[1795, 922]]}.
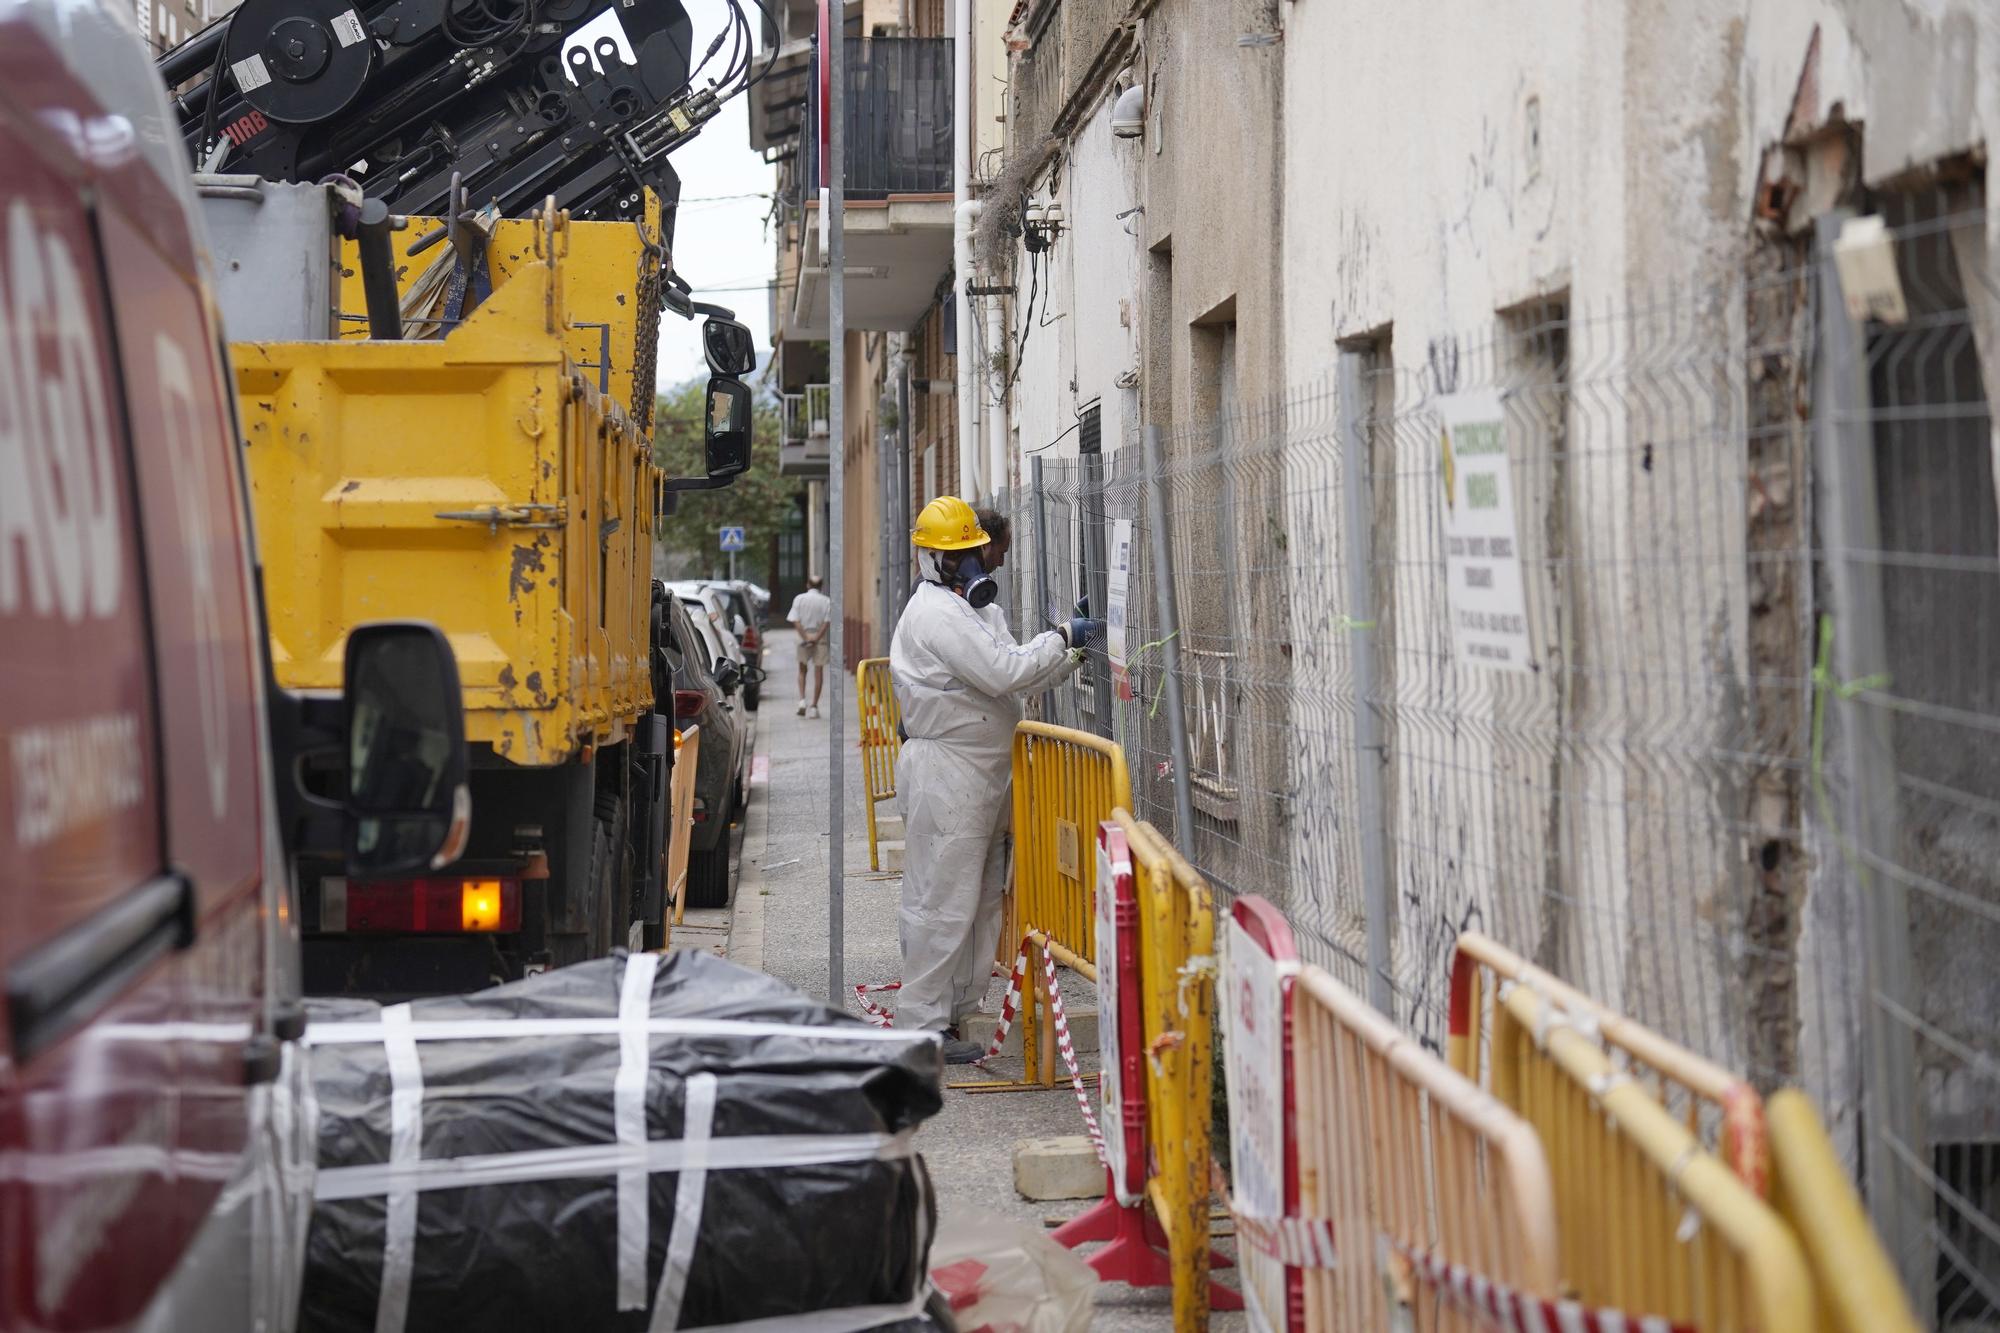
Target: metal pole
{"points": [[732, 566], [1844, 470], [1357, 548], [884, 594], [1041, 522], [1168, 601], [836, 714], [1097, 583], [899, 546]]}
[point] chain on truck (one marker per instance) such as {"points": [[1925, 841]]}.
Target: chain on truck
{"points": [[443, 235]]}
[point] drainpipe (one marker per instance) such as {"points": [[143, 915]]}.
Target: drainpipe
{"points": [[993, 407], [965, 211], [899, 548]]}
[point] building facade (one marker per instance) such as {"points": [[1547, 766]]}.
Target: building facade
{"points": [[1295, 239]]}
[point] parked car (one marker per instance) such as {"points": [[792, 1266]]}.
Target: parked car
{"points": [[721, 647], [746, 620], [685, 663], [732, 628], [159, 1167]]}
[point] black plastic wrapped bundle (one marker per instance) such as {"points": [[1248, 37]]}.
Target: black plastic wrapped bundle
{"points": [[492, 1144]]}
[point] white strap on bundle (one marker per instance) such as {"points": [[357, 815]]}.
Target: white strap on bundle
{"points": [[738, 1152], [689, 1192], [635, 1006], [507, 1029], [406, 1143]]}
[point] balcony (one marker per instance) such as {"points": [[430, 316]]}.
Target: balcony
{"points": [[808, 429], [898, 127], [898, 178]]}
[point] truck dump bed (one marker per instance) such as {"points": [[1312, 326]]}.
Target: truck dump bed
{"points": [[490, 480]]}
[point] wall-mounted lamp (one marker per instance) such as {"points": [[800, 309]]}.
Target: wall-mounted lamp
{"points": [[1128, 113]]}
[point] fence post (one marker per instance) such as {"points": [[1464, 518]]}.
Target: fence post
{"points": [[1096, 578], [1168, 601], [1357, 547], [1844, 468], [1041, 521]]}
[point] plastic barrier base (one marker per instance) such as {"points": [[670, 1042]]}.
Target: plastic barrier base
{"points": [[1133, 1254]]}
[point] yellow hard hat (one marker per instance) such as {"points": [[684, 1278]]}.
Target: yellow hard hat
{"points": [[948, 524]]}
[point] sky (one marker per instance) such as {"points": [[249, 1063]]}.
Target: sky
{"points": [[719, 242]]}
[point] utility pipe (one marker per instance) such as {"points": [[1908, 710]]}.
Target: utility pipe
{"points": [[993, 407], [965, 211]]}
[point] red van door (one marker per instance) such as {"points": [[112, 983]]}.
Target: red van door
{"points": [[204, 654], [89, 916]]}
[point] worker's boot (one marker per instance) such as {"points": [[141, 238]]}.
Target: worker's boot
{"points": [[957, 1052]]}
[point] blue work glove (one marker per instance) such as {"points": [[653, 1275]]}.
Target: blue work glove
{"points": [[1081, 631]]}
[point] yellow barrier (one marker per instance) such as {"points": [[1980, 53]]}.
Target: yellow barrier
{"points": [[1065, 784], [1857, 1284], [1651, 1224], [1716, 1105], [875, 698], [1177, 973], [1396, 1146], [680, 824]]}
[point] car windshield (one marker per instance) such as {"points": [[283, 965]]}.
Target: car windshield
{"points": [[699, 619]]}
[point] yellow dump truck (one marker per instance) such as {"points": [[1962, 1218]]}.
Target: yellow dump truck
{"points": [[478, 456]]}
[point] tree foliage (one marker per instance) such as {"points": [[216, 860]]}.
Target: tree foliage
{"points": [[759, 499]]}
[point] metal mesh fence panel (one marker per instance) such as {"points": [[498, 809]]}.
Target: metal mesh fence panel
{"points": [[1740, 777]]}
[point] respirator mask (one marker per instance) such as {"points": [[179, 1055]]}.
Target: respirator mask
{"points": [[963, 572]]}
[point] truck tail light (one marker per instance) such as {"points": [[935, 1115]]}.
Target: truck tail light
{"points": [[446, 906], [700, 811], [688, 704]]}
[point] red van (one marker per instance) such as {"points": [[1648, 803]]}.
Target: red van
{"points": [[155, 1167]]}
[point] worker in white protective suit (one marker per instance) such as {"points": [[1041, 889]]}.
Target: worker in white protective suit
{"points": [[958, 680]]}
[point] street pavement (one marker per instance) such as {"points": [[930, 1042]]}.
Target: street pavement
{"points": [[779, 924]]}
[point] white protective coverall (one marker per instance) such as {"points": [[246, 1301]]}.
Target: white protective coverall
{"points": [[959, 678]]}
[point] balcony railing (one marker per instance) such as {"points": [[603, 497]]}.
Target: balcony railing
{"points": [[898, 130], [808, 422], [819, 411]]}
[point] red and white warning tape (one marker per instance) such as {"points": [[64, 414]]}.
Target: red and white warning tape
{"points": [[1060, 1022], [1010, 1006], [1298, 1242], [1510, 1310], [877, 1015], [883, 1018]]}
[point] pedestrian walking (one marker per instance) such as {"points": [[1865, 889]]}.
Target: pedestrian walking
{"points": [[812, 616], [958, 681]]}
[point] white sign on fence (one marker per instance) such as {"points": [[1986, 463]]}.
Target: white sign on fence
{"points": [[1489, 604], [1110, 1081], [1118, 586], [1253, 1013]]}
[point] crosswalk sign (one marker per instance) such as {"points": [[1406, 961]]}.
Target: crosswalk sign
{"points": [[732, 538]]}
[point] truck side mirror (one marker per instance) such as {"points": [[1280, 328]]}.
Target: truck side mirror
{"points": [[407, 803], [729, 346], [727, 439]]}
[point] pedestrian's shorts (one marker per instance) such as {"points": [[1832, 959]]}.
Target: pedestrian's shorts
{"points": [[815, 653]]}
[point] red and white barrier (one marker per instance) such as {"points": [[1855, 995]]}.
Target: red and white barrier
{"points": [[1260, 964]]}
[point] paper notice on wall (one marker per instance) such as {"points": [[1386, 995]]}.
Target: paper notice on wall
{"points": [[1489, 604], [1114, 613]]}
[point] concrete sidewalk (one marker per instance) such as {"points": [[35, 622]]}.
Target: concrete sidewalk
{"points": [[779, 925]]}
